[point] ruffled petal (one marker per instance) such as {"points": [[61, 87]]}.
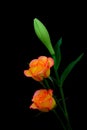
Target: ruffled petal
{"points": [[37, 78], [50, 91], [27, 73], [39, 95], [51, 61], [42, 60], [33, 63], [47, 73], [33, 106]]}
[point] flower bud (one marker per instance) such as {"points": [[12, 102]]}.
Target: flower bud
{"points": [[43, 100], [43, 35]]}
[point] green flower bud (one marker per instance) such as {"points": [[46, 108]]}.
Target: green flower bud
{"points": [[43, 35]]}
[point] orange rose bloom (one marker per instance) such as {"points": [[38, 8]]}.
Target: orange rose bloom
{"points": [[43, 100], [39, 68]]}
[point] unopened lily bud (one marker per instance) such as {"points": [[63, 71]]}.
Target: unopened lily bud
{"points": [[43, 35]]}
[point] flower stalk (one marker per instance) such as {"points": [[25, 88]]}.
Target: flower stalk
{"points": [[39, 69]]}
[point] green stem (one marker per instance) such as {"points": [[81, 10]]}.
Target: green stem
{"points": [[65, 108], [46, 82], [63, 100], [59, 105], [52, 82], [62, 124], [57, 77], [42, 84]]}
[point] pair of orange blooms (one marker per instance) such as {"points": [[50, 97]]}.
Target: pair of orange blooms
{"points": [[39, 69]]}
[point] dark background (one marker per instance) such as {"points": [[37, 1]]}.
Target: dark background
{"points": [[68, 22]]}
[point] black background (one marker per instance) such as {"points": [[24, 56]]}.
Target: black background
{"points": [[62, 20]]}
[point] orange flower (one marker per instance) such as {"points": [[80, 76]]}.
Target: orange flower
{"points": [[43, 100], [39, 68]]}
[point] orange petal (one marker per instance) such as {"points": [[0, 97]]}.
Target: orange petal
{"points": [[49, 103], [50, 91], [33, 106], [39, 94], [27, 73], [42, 59], [53, 103], [47, 73], [33, 63], [37, 78], [37, 70], [51, 61]]}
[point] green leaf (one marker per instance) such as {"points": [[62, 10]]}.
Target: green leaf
{"points": [[57, 53], [43, 34], [69, 68]]}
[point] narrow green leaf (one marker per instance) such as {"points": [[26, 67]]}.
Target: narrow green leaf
{"points": [[69, 68], [58, 53]]}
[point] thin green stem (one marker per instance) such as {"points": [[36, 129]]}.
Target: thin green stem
{"points": [[62, 124], [65, 108], [63, 100], [52, 82], [59, 105], [46, 82], [57, 77], [38, 114], [42, 84]]}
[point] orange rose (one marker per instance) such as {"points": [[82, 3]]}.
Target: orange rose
{"points": [[39, 68], [43, 100]]}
